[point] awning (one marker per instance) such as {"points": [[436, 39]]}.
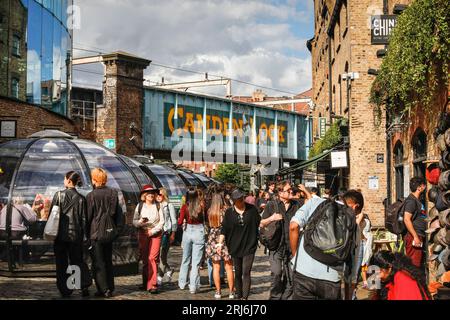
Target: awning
{"points": [[304, 164]]}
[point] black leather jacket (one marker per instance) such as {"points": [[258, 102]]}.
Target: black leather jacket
{"points": [[102, 201], [72, 223]]}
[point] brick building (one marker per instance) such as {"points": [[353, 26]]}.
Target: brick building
{"points": [[13, 50], [28, 119], [342, 57]]}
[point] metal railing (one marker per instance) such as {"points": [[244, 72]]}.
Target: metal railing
{"points": [[85, 110]]}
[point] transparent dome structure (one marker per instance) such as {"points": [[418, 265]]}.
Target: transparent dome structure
{"points": [[32, 170]]}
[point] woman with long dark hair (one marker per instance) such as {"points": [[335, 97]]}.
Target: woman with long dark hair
{"points": [[400, 279], [193, 243], [240, 227], [72, 232]]}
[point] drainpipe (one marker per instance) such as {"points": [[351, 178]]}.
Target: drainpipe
{"points": [[388, 138], [330, 82]]}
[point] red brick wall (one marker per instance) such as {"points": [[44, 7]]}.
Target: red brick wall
{"points": [[32, 118]]}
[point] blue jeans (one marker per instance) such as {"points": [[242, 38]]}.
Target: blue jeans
{"points": [[193, 246]]}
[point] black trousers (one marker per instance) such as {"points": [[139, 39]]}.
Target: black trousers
{"points": [[281, 273], [101, 254], [68, 253], [306, 288], [242, 270]]}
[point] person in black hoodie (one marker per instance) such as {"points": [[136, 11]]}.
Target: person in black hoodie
{"points": [[68, 245], [104, 215]]}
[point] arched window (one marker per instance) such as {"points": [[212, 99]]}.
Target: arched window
{"points": [[340, 94], [344, 7], [399, 172], [419, 145]]}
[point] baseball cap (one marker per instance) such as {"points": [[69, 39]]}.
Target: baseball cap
{"points": [[148, 189], [237, 194]]}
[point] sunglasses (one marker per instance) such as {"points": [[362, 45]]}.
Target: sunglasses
{"points": [[241, 220]]}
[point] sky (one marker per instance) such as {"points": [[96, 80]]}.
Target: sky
{"points": [[262, 42]]}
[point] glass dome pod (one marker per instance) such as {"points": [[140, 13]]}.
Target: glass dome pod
{"points": [[32, 170]]}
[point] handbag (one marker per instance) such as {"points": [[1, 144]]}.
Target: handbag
{"points": [[52, 225]]}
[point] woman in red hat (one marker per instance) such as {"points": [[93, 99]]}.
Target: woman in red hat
{"points": [[149, 219]]}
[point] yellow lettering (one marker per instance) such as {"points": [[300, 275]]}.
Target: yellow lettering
{"points": [[208, 124], [238, 128], [281, 130], [199, 123], [262, 133], [271, 130], [170, 119], [226, 122], [217, 125], [189, 125]]}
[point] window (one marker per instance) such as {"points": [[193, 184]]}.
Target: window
{"points": [[399, 171], [419, 145], [15, 88], [345, 10], [16, 46], [340, 94]]}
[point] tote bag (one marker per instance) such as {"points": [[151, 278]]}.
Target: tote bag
{"points": [[52, 226]]}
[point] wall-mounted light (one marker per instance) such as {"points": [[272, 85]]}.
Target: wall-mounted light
{"points": [[399, 8], [381, 53]]}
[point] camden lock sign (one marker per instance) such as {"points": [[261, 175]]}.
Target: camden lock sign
{"points": [[382, 27]]}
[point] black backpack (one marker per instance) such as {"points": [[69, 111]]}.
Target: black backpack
{"points": [[270, 236], [330, 234], [110, 228], [394, 217]]}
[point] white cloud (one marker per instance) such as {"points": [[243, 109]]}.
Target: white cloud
{"points": [[248, 40]]}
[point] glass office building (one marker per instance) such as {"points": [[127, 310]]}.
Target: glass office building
{"points": [[49, 49], [42, 43]]}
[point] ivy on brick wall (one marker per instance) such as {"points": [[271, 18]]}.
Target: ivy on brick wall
{"points": [[332, 138], [418, 57]]}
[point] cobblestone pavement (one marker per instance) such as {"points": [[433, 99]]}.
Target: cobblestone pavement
{"points": [[127, 287]]}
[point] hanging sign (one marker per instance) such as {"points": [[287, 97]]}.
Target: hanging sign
{"points": [[382, 27]]}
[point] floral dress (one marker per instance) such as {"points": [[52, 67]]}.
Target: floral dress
{"points": [[211, 250]]}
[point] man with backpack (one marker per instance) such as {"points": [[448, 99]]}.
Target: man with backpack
{"points": [[275, 236], [326, 251], [414, 219]]}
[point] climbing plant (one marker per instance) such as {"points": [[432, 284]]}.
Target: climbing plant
{"points": [[332, 138], [418, 57]]}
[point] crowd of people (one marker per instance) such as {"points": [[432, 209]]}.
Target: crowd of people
{"points": [[223, 227]]}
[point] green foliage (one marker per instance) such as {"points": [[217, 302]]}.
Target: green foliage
{"points": [[332, 138], [418, 57], [228, 173], [235, 174]]}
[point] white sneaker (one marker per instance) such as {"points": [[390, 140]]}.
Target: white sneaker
{"points": [[159, 281], [169, 275], [232, 295], [218, 295]]}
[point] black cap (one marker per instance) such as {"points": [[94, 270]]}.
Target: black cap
{"points": [[237, 194]]}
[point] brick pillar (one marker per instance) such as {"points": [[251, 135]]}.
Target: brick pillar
{"points": [[123, 100]]}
